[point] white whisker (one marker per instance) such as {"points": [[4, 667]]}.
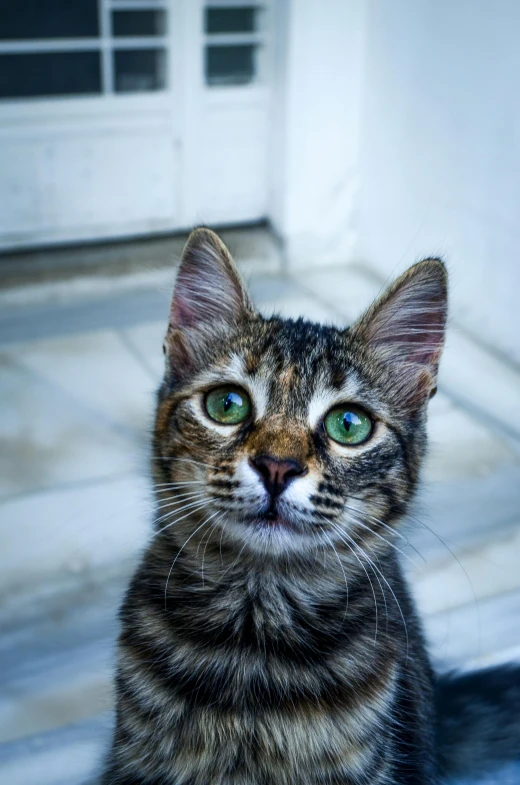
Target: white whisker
{"points": [[179, 553]]}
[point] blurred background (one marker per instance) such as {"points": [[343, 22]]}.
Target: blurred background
{"points": [[332, 143]]}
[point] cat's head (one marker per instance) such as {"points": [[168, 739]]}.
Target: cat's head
{"points": [[281, 436]]}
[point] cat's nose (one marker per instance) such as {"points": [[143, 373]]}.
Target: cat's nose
{"points": [[276, 474]]}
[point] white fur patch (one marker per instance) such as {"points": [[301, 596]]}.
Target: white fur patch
{"points": [[250, 482], [300, 490], [326, 398], [235, 373]]}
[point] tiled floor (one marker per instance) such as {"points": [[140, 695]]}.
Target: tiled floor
{"points": [[77, 388]]}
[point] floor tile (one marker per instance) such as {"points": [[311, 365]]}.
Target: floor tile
{"points": [[50, 439], [146, 341], [98, 371], [474, 376], [461, 446], [477, 634], [479, 573], [51, 535], [68, 756]]}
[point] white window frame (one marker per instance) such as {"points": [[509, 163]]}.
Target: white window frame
{"points": [[106, 44], [259, 39]]}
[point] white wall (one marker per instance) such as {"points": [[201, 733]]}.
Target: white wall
{"points": [[396, 135], [440, 154], [315, 127]]}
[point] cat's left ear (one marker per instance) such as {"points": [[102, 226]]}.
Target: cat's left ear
{"points": [[406, 327], [208, 290], [209, 298]]}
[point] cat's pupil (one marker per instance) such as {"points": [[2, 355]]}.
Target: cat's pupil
{"points": [[348, 420], [232, 398]]}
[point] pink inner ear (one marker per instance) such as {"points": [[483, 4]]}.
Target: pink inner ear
{"points": [[408, 324], [208, 291], [416, 333], [185, 312]]}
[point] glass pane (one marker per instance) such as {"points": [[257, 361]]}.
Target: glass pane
{"points": [[230, 65], [231, 20], [49, 73], [138, 70], [138, 23], [30, 19]]}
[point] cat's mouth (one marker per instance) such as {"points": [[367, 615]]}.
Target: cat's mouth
{"points": [[273, 518]]}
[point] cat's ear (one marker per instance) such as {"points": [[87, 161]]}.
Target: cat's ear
{"points": [[209, 296], [406, 327]]}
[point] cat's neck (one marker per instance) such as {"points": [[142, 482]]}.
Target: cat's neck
{"points": [[267, 590]]}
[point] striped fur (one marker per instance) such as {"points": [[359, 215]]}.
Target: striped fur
{"points": [[259, 654]]}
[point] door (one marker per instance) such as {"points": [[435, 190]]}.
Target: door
{"points": [[126, 117], [87, 122], [228, 105]]}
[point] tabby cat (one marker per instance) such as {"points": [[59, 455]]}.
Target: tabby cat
{"points": [[268, 636]]}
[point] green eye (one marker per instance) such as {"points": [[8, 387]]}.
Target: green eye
{"points": [[348, 424], [228, 405]]}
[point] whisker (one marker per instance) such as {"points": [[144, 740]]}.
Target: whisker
{"points": [[351, 540], [363, 553], [191, 507], [178, 484], [366, 573], [175, 500], [396, 532], [179, 553], [183, 460], [235, 562], [220, 541], [342, 569], [211, 530], [178, 499], [380, 536], [378, 520], [389, 586], [445, 544]]}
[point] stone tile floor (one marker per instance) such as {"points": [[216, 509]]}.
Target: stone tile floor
{"points": [[77, 382]]}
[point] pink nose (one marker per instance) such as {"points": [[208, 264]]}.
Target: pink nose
{"points": [[276, 474]]}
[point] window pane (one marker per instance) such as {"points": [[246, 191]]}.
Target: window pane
{"points": [[30, 19], [230, 65], [230, 20], [138, 23], [49, 73], [139, 70]]}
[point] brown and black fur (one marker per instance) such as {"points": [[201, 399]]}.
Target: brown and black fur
{"points": [[252, 657]]}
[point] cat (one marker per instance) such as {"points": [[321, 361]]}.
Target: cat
{"points": [[268, 635]]}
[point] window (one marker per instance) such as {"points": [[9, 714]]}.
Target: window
{"points": [[231, 20], [52, 48], [50, 73], [138, 23], [230, 64], [233, 43], [40, 19], [139, 70]]}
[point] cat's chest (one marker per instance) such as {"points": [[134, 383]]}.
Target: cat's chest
{"points": [[303, 746], [267, 617], [257, 686], [253, 650]]}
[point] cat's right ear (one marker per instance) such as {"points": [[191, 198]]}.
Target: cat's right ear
{"points": [[209, 299], [405, 329]]}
